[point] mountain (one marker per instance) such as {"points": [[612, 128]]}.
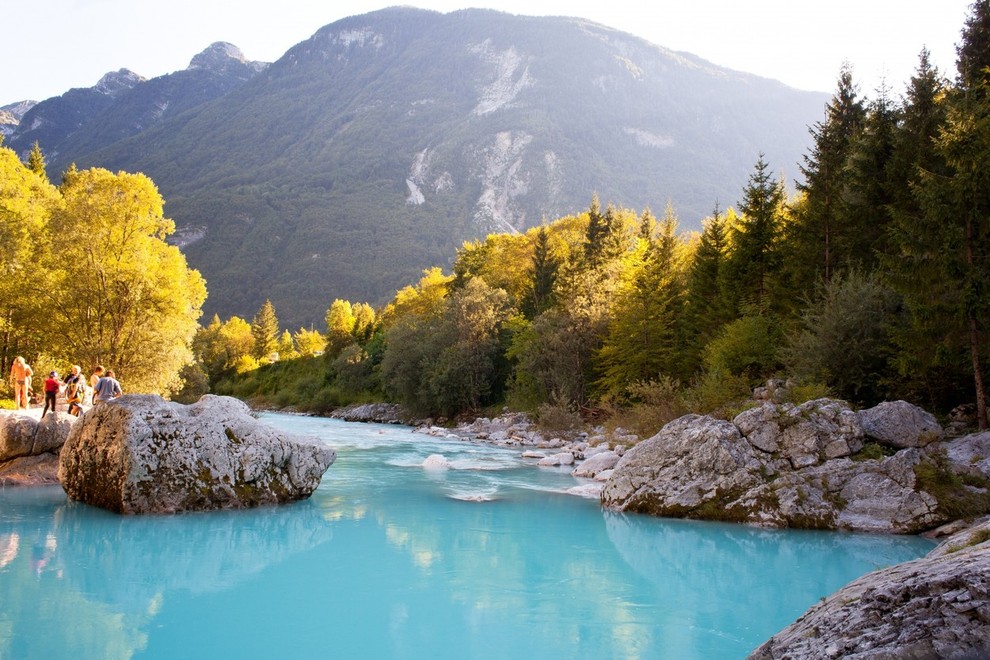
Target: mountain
{"points": [[11, 115], [123, 104], [373, 149]]}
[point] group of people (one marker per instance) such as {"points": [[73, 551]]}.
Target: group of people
{"points": [[103, 386]]}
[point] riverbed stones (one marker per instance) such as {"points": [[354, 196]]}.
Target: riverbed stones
{"points": [[596, 463], [934, 607], [142, 454]]}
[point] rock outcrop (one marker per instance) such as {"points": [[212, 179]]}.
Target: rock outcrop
{"points": [[781, 466], [934, 607], [29, 448], [379, 413], [141, 454], [900, 424]]}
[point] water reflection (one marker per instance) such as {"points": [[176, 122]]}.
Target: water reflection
{"points": [[115, 573], [387, 559]]}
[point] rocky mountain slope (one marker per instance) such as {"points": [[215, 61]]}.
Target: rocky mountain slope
{"points": [[373, 149], [123, 104]]}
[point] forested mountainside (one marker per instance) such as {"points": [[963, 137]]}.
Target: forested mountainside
{"points": [[373, 149]]}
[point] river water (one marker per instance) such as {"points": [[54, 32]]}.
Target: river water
{"points": [[488, 559]]}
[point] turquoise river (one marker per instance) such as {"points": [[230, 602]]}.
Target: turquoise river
{"points": [[489, 559]]}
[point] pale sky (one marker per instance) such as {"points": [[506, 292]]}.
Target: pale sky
{"points": [[50, 46]]}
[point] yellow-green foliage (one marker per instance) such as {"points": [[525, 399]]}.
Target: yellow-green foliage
{"points": [[88, 275]]}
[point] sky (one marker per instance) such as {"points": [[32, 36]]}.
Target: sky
{"points": [[60, 44]]}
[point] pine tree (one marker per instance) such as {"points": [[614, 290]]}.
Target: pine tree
{"points": [[959, 203], [264, 329], [36, 161], [643, 341], [706, 307], [754, 257], [603, 239], [926, 355], [860, 234], [544, 274], [813, 237]]}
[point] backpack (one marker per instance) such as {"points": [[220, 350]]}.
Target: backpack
{"points": [[75, 390]]}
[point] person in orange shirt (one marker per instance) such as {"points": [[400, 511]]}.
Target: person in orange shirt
{"points": [[20, 373]]}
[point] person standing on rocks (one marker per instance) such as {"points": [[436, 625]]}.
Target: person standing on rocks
{"points": [[52, 387], [93, 380], [75, 390], [20, 373], [107, 389]]}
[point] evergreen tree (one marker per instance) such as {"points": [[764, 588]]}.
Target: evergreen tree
{"points": [[754, 257], [860, 234], [959, 204], [36, 161], [926, 357], [812, 241], [706, 306], [643, 341], [603, 240], [544, 274], [264, 329]]}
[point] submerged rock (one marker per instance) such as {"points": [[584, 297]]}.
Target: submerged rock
{"points": [[142, 454], [934, 607]]}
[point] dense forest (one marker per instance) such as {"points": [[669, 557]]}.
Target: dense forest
{"points": [[870, 282]]}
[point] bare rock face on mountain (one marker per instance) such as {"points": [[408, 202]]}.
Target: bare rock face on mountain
{"points": [[29, 448], [781, 465], [934, 607], [141, 454]]}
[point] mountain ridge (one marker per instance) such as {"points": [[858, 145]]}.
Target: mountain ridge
{"points": [[372, 149]]}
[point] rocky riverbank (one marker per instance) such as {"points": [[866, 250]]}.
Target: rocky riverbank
{"points": [[934, 607]]}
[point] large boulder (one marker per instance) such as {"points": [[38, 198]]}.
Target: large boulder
{"points": [[777, 466], [934, 607], [29, 448], [970, 454], [695, 464], [142, 454], [900, 425]]}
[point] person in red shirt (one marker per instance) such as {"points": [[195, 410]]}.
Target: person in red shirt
{"points": [[52, 387]]}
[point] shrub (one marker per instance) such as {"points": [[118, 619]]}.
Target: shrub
{"points": [[718, 393], [745, 347]]}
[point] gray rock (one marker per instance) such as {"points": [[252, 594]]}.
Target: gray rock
{"points": [[29, 448], [806, 435], [704, 468], [694, 462], [900, 424], [21, 435], [934, 607], [38, 470], [595, 464], [970, 453], [380, 413], [553, 460], [141, 454]]}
